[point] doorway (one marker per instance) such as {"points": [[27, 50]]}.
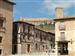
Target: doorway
{"points": [[63, 48]]}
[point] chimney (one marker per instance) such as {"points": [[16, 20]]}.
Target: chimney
{"points": [[59, 13]]}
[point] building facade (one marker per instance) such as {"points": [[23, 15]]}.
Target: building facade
{"points": [[37, 21], [28, 39], [23, 37], [43, 40], [6, 12], [64, 35]]}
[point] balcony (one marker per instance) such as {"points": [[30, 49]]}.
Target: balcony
{"points": [[62, 39]]}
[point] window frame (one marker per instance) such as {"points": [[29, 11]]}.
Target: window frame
{"points": [[62, 36], [62, 25]]}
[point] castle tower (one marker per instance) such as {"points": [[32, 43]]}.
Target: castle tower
{"points": [[6, 12], [59, 12]]}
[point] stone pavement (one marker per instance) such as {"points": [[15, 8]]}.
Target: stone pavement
{"points": [[36, 54]]}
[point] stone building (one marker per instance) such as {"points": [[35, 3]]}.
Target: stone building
{"points": [[52, 39], [6, 12], [64, 34], [28, 39], [44, 40], [23, 37], [37, 21], [41, 40], [42, 23]]}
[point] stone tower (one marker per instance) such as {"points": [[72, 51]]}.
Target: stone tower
{"points": [[59, 12], [6, 12]]}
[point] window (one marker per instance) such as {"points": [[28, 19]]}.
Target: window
{"points": [[22, 38], [1, 23], [62, 25], [40, 37], [23, 27], [29, 36], [43, 47], [0, 51], [26, 29], [36, 46], [44, 38], [31, 28], [0, 39], [62, 36], [63, 48], [36, 35], [46, 47], [51, 45], [28, 47], [20, 28]]}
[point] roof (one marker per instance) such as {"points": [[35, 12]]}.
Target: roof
{"points": [[51, 33], [23, 22], [9, 1], [65, 18], [45, 31]]}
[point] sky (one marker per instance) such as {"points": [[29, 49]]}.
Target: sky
{"points": [[42, 8]]}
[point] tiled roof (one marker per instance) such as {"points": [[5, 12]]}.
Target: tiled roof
{"points": [[23, 22]]}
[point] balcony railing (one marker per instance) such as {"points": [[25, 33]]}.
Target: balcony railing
{"points": [[62, 38]]}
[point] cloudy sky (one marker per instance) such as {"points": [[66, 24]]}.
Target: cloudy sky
{"points": [[42, 8]]}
